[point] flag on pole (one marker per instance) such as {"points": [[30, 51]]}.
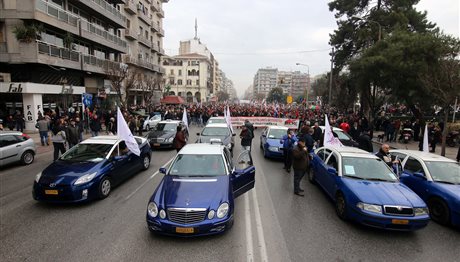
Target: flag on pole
{"points": [[125, 134], [425, 140], [329, 138], [228, 118], [184, 118]]}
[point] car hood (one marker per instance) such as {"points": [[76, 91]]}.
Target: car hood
{"points": [[384, 193], [66, 172], [274, 142], [207, 139], [161, 134], [198, 192]]}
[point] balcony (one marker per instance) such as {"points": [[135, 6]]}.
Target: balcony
{"points": [[148, 1], [130, 34], [154, 6], [130, 7], [154, 26], [155, 47], [54, 15], [162, 51], [161, 13], [143, 40], [94, 33], [107, 10], [143, 17], [142, 63], [97, 65], [161, 32]]}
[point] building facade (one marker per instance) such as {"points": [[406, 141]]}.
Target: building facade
{"points": [[265, 80], [72, 44], [293, 83]]}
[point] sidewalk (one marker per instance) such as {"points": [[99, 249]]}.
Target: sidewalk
{"points": [[451, 152]]}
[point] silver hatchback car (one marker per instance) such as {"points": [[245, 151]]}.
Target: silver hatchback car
{"points": [[16, 147]]}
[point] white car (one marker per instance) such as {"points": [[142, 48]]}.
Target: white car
{"points": [[151, 122], [16, 147]]}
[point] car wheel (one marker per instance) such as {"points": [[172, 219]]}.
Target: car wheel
{"points": [[105, 187], [311, 176], [341, 206], [145, 162], [439, 211], [27, 158]]}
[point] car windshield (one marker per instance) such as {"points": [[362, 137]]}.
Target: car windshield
{"points": [[216, 121], [215, 131], [87, 152], [170, 127], [341, 135], [447, 172], [198, 165], [367, 168], [276, 133]]}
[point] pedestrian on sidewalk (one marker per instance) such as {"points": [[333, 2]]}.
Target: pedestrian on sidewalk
{"points": [[300, 164], [58, 137], [43, 129]]}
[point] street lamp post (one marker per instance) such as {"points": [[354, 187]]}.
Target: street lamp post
{"points": [[308, 79]]}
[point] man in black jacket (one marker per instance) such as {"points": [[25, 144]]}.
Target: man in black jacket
{"points": [[365, 142], [300, 164], [384, 154]]}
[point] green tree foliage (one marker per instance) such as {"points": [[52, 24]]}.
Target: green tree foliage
{"points": [[276, 95]]}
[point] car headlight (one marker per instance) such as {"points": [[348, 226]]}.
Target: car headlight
{"points": [[370, 207], [211, 214], [222, 210], [152, 209], [37, 177], [162, 214], [420, 211], [273, 148], [85, 179], [170, 139]]}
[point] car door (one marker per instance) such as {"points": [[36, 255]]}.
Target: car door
{"points": [[417, 184], [320, 166], [263, 138], [329, 178], [9, 149], [242, 176], [123, 165]]}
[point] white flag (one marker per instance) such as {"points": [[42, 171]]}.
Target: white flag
{"points": [[228, 118], [329, 138], [425, 140], [125, 134], [184, 118]]}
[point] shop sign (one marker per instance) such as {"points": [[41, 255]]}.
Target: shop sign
{"points": [[15, 88]]}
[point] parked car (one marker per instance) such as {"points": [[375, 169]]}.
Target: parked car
{"points": [[216, 120], [151, 121], [345, 138], [271, 141], [436, 180], [163, 134], [366, 190], [196, 195], [217, 133], [16, 147], [90, 169]]}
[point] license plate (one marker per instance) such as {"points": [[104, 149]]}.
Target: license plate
{"points": [[185, 230], [51, 192], [400, 221], [156, 144]]}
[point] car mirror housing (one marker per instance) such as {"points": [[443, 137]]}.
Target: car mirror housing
{"points": [[264, 135], [118, 158], [420, 175], [163, 170], [233, 134], [332, 170], [197, 134]]}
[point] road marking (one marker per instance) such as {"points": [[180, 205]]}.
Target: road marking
{"points": [[249, 247], [260, 230], [146, 181]]}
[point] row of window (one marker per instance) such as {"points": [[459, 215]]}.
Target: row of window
{"points": [[192, 72], [179, 82]]}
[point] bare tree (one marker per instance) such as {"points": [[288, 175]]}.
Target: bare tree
{"points": [[123, 78], [149, 85]]}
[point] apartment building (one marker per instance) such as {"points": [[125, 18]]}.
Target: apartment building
{"points": [[53, 51], [264, 80], [293, 83]]}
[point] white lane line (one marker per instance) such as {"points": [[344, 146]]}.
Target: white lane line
{"points": [[247, 216], [146, 181], [260, 230]]}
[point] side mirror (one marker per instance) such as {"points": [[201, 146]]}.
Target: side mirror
{"points": [[118, 158], [264, 135], [332, 171], [420, 175], [233, 134], [163, 170], [197, 134]]}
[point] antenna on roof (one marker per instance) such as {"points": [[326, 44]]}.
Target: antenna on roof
{"points": [[196, 29]]}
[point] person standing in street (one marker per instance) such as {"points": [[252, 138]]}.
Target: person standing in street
{"points": [[179, 140], [73, 134], [300, 164], [384, 154], [43, 128], [288, 142], [95, 125], [246, 140], [58, 137], [365, 142]]}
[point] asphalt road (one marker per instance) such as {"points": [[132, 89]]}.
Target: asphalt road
{"points": [[271, 224]]}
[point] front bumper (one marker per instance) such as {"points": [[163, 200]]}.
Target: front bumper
{"points": [[160, 144], [387, 222], [204, 228], [65, 193]]}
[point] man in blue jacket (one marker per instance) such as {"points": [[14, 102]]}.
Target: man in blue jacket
{"points": [[288, 140]]}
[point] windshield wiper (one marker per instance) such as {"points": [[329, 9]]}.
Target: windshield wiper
{"points": [[380, 179], [446, 182], [356, 177]]}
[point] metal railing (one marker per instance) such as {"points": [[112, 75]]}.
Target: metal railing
{"points": [[101, 63], [108, 7], [89, 27], [57, 12], [57, 51], [144, 40]]}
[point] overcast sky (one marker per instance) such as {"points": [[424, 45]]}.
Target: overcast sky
{"points": [[245, 35]]}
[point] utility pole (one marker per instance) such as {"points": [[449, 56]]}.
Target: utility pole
{"points": [[330, 77]]}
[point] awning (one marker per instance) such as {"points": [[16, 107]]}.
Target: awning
{"points": [[172, 100]]}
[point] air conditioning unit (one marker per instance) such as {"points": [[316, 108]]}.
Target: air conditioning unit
{"points": [[139, 7], [139, 56]]}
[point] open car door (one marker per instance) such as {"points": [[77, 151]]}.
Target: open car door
{"points": [[243, 176]]}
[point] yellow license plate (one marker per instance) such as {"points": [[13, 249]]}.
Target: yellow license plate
{"points": [[185, 230], [51, 192], [400, 221], [156, 144]]}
